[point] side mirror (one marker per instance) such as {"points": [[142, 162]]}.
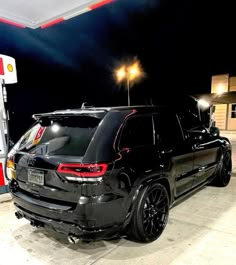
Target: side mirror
{"points": [[198, 134], [198, 131], [125, 150], [214, 131]]}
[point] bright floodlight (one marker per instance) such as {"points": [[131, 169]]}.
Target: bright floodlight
{"points": [[220, 89], [129, 73], [121, 73], [203, 104], [55, 128], [134, 71]]}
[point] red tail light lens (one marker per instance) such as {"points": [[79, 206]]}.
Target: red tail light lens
{"points": [[83, 170]]}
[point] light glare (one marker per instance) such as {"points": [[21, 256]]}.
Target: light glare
{"points": [[134, 71], [220, 89], [55, 128], [202, 103], [121, 73]]}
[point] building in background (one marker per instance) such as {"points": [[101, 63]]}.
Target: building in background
{"points": [[223, 96], [223, 99]]}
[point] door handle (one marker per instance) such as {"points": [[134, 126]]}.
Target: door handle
{"points": [[197, 147], [166, 151], [202, 168]]}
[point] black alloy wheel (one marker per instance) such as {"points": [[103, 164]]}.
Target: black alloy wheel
{"points": [[226, 169], [223, 174], [151, 214]]}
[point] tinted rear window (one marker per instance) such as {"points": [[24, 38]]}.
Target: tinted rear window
{"points": [[60, 136]]}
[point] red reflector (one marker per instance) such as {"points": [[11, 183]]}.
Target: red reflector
{"points": [[99, 4], [11, 23], [83, 170], [49, 24], [39, 133], [2, 182], [1, 67]]}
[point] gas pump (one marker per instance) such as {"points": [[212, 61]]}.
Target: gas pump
{"points": [[7, 76]]}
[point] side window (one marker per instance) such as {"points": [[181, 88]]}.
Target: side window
{"points": [[233, 112], [167, 129], [138, 131], [189, 120]]}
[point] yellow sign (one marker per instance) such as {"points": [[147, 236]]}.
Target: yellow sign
{"points": [[10, 67]]}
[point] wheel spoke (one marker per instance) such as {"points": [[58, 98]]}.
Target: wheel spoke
{"points": [[160, 198], [159, 202], [160, 209], [152, 227], [145, 221], [154, 196], [146, 213], [148, 202], [157, 223], [148, 227]]}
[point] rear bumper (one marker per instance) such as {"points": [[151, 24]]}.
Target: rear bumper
{"points": [[72, 229], [91, 219]]}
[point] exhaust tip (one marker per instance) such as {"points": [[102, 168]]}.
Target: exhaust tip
{"points": [[36, 224], [73, 239], [19, 215]]}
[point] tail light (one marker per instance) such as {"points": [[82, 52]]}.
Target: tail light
{"points": [[85, 172], [11, 172], [10, 164]]}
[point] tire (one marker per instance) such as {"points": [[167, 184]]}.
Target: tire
{"points": [[223, 174], [150, 215]]}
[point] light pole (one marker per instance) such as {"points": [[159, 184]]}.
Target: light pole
{"points": [[129, 73], [128, 91]]}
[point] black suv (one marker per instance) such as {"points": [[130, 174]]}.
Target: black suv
{"points": [[98, 173]]}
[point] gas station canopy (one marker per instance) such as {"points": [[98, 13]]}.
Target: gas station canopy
{"points": [[44, 13]]}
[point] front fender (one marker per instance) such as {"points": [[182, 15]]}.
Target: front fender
{"points": [[225, 144]]}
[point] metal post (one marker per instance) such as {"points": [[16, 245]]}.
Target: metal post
{"points": [[128, 85], [4, 91], [3, 145]]}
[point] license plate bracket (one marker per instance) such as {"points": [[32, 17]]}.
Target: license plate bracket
{"points": [[36, 176]]}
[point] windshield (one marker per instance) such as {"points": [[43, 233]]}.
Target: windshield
{"points": [[59, 136]]}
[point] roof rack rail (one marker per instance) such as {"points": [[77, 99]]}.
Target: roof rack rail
{"points": [[85, 106]]}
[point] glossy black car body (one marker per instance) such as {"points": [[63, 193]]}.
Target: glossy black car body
{"points": [[132, 154]]}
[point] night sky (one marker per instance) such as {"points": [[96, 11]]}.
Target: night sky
{"points": [[180, 44]]}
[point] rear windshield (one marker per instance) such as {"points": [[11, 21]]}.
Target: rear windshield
{"points": [[59, 136]]}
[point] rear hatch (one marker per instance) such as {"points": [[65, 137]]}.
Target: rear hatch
{"points": [[48, 158]]}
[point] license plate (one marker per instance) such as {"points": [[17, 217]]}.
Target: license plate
{"points": [[36, 176]]}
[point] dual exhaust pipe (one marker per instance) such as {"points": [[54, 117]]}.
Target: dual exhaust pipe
{"points": [[35, 223], [73, 239], [19, 215]]}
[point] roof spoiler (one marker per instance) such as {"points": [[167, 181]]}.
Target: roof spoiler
{"points": [[68, 113]]}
